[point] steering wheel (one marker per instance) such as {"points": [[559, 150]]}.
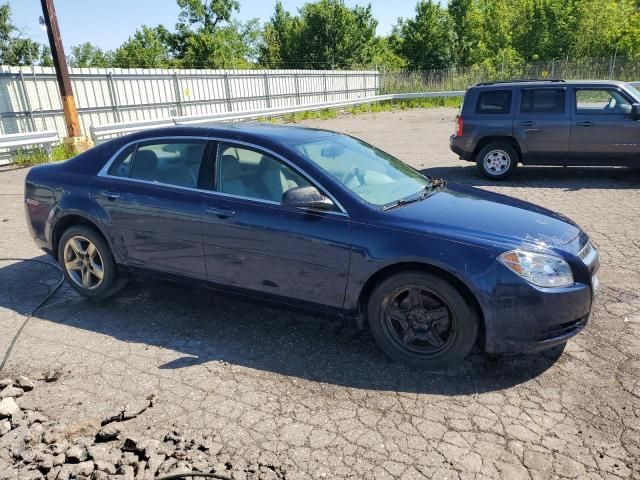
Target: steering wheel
{"points": [[353, 173]]}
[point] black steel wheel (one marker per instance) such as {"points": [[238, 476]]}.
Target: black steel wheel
{"points": [[422, 320]]}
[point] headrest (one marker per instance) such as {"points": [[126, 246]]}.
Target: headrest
{"points": [[229, 167], [144, 162]]}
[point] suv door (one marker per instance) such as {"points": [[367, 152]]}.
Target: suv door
{"points": [[603, 131], [253, 242], [542, 124], [151, 204]]}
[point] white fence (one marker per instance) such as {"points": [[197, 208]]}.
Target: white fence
{"points": [[30, 99], [101, 133]]}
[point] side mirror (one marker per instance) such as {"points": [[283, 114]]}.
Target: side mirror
{"points": [[635, 111], [306, 197]]}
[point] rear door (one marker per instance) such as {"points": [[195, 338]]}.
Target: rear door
{"points": [[151, 204], [603, 132], [542, 124]]}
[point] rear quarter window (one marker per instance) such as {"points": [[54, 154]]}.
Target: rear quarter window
{"points": [[494, 102]]}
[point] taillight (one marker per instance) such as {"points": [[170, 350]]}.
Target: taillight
{"points": [[459, 126]]}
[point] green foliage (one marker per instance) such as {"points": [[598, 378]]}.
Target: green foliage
{"points": [[428, 40], [325, 34], [146, 48], [27, 158], [88, 55], [207, 37], [15, 49]]}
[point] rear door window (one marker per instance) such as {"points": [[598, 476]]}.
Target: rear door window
{"points": [[543, 100], [494, 102], [171, 162]]}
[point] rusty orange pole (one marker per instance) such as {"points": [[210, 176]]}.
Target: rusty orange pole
{"points": [[62, 72]]}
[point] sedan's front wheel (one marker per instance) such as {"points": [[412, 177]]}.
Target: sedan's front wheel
{"points": [[419, 319], [87, 262]]}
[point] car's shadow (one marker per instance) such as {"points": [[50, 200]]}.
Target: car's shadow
{"points": [[204, 326], [566, 178]]}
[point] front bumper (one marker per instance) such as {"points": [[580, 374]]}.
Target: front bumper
{"points": [[522, 318]]}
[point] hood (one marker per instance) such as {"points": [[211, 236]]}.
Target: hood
{"points": [[472, 212]]}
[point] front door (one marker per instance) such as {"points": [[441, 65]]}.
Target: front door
{"points": [[252, 242], [603, 131], [543, 124], [150, 201]]}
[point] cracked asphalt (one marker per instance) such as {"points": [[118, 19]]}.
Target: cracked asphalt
{"points": [[308, 396]]}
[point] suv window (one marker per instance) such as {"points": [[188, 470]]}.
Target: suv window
{"points": [[543, 100], [494, 102], [170, 162], [252, 174], [601, 101]]}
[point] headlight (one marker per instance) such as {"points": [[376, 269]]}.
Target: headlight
{"points": [[537, 268]]}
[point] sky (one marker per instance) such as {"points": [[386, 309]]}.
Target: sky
{"points": [[109, 23]]}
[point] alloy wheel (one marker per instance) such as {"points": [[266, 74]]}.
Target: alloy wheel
{"points": [[83, 262], [496, 162]]}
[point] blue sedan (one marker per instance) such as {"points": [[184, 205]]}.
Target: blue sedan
{"points": [[318, 219]]}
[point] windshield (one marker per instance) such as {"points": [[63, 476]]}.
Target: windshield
{"points": [[373, 175], [634, 91]]}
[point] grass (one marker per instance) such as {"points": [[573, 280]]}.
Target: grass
{"points": [[374, 107], [27, 158]]}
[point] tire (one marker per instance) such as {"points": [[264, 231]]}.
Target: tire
{"points": [[438, 308], [497, 161], [88, 260]]}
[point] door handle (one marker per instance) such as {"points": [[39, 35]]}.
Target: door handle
{"points": [[528, 123], [220, 213], [109, 194], [584, 124]]}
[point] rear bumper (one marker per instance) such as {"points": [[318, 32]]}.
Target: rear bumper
{"points": [[459, 146]]}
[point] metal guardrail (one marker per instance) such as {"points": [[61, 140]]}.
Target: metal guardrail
{"points": [[15, 140], [99, 132]]}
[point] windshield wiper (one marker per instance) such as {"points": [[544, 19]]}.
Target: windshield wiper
{"points": [[435, 185]]}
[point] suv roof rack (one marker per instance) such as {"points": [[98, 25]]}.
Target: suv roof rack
{"points": [[551, 80]]}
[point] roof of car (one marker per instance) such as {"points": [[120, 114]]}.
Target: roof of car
{"points": [[549, 82], [251, 131]]}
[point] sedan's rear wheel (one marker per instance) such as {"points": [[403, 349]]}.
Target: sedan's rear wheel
{"points": [[87, 262], [422, 320]]}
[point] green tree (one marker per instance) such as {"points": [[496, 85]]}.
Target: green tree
{"points": [[428, 40], [279, 42], [146, 48], [46, 60], [88, 55], [14, 48], [325, 34], [468, 23], [207, 37]]}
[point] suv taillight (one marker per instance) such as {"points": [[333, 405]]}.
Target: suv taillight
{"points": [[459, 126]]}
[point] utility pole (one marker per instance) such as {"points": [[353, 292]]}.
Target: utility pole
{"points": [[75, 140]]}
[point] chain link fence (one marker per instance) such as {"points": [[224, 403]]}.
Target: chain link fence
{"points": [[457, 78]]}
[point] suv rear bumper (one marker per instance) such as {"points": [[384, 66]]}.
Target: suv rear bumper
{"points": [[458, 145]]}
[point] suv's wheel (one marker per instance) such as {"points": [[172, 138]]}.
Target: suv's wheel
{"points": [[497, 160], [87, 262], [419, 319]]}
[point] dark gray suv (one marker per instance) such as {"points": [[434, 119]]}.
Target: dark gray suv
{"points": [[552, 122]]}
